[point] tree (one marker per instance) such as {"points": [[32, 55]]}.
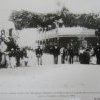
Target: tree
{"points": [[25, 19]]}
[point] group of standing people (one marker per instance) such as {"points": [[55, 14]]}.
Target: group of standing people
{"points": [[9, 49], [56, 51], [86, 55], [69, 54], [10, 52]]}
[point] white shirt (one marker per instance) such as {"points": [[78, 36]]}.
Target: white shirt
{"points": [[3, 47]]}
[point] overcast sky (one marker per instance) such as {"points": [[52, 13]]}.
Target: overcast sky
{"points": [[45, 6]]}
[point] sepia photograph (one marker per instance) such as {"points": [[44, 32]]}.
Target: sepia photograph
{"points": [[49, 49]]}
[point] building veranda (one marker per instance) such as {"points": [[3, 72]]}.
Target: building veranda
{"points": [[79, 36]]}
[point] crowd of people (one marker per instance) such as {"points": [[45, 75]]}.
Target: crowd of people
{"points": [[10, 50], [83, 55]]}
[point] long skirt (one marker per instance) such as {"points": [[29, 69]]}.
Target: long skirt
{"points": [[55, 59]]}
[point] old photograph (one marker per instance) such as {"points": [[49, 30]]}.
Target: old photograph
{"points": [[49, 50]]}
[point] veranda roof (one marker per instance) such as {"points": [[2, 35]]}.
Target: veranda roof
{"points": [[76, 31], [70, 32]]}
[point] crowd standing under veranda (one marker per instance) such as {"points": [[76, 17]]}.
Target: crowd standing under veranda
{"points": [[70, 53]]}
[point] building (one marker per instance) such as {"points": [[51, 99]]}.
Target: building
{"points": [[8, 29], [63, 36]]}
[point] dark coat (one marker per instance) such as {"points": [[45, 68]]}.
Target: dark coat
{"points": [[39, 52], [71, 51], [56, 51], [97, 51]]}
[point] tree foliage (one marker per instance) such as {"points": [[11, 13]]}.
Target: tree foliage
{"points": [[25, 19]]}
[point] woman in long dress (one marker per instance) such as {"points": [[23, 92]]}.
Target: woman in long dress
{"points": [[4, 58]]}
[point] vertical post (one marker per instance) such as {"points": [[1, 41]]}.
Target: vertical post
{"points": [[45, 35]]}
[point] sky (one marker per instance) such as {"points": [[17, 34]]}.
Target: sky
{"points": [[45, 6], [51, 5]]}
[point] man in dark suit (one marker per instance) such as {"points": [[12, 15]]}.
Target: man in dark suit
{"points": [[71, 54], [97, 53], [39, 53], [56, 52]]}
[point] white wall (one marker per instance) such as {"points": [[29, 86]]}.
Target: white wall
{"points": [[27, 37]]}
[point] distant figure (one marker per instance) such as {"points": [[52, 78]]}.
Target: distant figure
{"points": [[86, 56], [63, 54], [11, 49], [24, 57], [39, 53], [97, 53], [18, 57], [71, 54], [66, 54], [3, 48], [56, 52], [11, 59], [81, 58], [92, 58], [76, 51], [3, 57]]}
